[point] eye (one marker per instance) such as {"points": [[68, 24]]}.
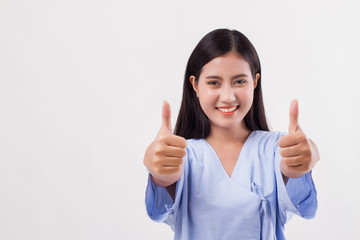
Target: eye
{"points": [[213, 83], [240, 81]]}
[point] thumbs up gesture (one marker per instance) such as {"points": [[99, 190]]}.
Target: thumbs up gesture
{"points": [[164, 156], [299, 153]]}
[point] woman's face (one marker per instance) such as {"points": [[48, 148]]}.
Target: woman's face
{"points": [[225, 90]]}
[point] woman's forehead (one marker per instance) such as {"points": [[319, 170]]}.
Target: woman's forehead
{"points": [[229, 64]]}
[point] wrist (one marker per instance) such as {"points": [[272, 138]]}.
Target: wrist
{"points": [[162, 182]]}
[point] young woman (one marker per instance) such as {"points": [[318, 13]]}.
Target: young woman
{"points": [[223, 175]]}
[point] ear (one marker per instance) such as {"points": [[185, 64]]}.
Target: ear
{"points": [[257, 76], [194, 84]]}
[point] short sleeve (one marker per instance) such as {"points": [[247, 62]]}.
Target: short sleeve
{"points": [[159, 205], [298, 196]]}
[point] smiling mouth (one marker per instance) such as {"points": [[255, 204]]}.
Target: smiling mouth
{"points": [[228, 109]]}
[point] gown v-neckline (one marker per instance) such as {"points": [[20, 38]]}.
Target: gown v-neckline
{"points": [[238, 161]]}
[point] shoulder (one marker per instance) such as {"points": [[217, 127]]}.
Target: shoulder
{"points": [[197, 149], [195, 141], [266, 135], [196, 145], [266, 140]]}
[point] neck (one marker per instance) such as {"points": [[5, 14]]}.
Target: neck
{"points": [[222, 135]]}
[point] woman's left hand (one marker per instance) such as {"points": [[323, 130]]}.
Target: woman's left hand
{"points": [[299, 153]]}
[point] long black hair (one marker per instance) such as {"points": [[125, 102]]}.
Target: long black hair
{"points": [[192, 121]]}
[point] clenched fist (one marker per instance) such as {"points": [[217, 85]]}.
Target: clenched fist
{"points": [[299, 153], [164, 156]]}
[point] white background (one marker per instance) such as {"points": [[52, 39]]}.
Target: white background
{"points": [[81, 87]]}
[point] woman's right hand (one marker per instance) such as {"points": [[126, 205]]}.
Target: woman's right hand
{"points": [[164, 156]]}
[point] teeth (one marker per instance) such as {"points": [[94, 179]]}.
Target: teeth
{"points": [[227, 109]]}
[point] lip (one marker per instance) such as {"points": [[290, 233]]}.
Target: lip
{"points": [[228, 113]]}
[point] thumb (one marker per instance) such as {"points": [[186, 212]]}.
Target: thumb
{"points": [[293, 114], [166, 117]]}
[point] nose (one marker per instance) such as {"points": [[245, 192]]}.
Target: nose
{"points": [[227, 94]]}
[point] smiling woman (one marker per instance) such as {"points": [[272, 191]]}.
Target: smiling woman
{"points": [[223, 175], [225, 86], [220, 54]]}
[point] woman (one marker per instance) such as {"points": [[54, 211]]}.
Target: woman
{"points": [[223, 175]]}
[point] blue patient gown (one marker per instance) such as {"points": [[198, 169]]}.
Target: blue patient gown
{"points": [[253, 203]]}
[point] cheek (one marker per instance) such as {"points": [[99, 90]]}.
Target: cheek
{"points": [[246, 97], [250, 96], [207, 96]]}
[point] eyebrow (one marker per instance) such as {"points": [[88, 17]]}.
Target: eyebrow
{"points": [[234, 77]]}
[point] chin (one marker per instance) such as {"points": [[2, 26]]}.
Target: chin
{"points": [[226, 125]]}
